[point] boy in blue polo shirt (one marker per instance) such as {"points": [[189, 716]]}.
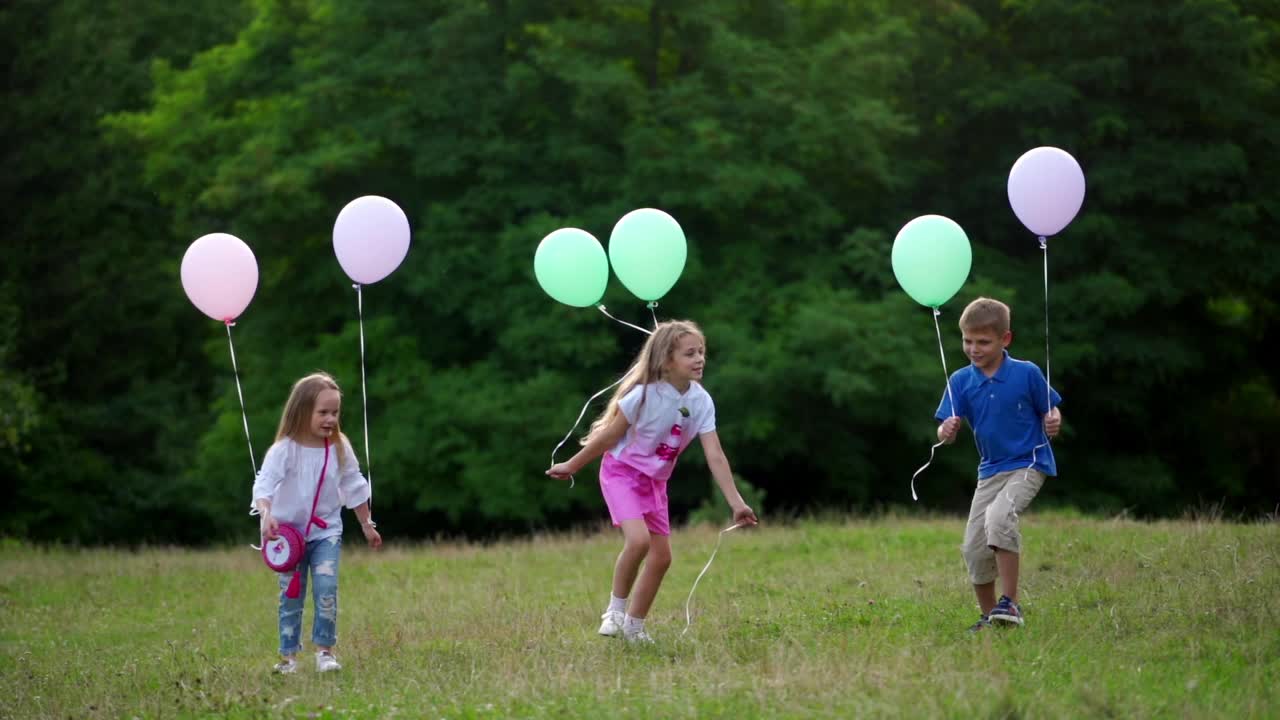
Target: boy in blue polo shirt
{"points": [[1013, 413]]}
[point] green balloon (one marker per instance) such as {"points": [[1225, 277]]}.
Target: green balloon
{"points": [[571, 267], [647, 250], [931, 259]]}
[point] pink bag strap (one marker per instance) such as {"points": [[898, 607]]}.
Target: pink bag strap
{"points": [[316, 500]]}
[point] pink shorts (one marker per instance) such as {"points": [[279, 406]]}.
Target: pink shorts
{"points": [[630, 494]]}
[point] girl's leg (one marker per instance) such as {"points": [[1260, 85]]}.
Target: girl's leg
{"points": [[655, 568], [291, 613], [323, 556], [635, 536]]}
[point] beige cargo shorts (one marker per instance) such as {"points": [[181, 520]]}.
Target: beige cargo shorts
{"points": [[993, 519]]}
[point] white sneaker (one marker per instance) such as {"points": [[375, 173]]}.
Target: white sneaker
{"points": [[611, 623], [285, 667], [326, 662], [640, 636]]}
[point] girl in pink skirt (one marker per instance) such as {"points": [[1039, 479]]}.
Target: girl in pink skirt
{"points": [[652, 417]]}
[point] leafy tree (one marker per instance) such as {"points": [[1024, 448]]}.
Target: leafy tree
{"points": [[790, 138], [98, 332], [1160, 296]]}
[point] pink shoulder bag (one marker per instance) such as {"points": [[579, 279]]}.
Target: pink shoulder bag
{"points": [[284, 553]]}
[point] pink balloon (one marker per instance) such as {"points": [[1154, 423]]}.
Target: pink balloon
{"points": [[370, 238], [220, 275], [1046, 190]]}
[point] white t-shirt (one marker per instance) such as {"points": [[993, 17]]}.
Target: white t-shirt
{"points": [[659, 431], [288, 478]]}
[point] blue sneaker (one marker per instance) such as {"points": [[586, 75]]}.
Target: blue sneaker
{"points": [[1006, 612], [982, 624]]}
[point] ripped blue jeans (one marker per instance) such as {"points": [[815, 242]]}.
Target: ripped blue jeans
{"points": [[321, 563]]}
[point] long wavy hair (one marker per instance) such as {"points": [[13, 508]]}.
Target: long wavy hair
{"points": [[658, 350], [295, 421]]}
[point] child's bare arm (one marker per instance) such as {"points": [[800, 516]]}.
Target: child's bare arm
{"points": [[593, 449], [723, 475], [267, 524], [367, 525]]}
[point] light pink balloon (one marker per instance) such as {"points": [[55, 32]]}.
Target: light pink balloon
{"points": [[220, 275], [1046, 190], [370, 238]]}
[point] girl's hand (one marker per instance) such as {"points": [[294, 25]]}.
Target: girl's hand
{"points": [[560, 471], [745, 516], [269, 526], [371, 536]]}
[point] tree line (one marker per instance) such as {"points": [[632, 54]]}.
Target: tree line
{"points": [[790, 138]]}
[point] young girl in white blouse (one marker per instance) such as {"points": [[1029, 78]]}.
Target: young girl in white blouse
{"points": [[309, 443]]}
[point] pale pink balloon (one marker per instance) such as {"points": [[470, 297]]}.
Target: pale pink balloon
{"points": [[370, 238], [1046, 190], [220, 275]]}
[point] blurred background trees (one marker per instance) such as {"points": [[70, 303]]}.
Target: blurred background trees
{"points": [[790, 138]]}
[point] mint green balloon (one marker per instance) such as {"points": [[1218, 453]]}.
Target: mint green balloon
{"points": [[571, 267], [647, 250], [931, 259]]}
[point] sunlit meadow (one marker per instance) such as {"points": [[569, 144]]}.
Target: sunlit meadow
{"points": [[812, 618]]}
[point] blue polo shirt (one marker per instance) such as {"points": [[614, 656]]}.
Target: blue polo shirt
{"points": [[1006, 412]]}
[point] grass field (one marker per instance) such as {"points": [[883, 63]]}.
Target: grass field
{"points": [[856, 618]]}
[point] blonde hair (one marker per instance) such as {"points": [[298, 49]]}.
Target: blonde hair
{"points": [[986, 314], [296, 418], [647, 367]]}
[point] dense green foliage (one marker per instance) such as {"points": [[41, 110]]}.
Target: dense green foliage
{"points": [[790, 138]]}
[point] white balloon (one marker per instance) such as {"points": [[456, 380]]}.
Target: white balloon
{"points": [[1046, 190], [219, 274], [370, 238]]}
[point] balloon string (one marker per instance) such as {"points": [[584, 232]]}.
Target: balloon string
{"points": [[604, 310], [932, 450], [688, 615], [575, 423], [1027, 470], [1048, 394], [590, 400], [946, 376], [243, 415], [653, 304], [1048, 389], [364, 393]]}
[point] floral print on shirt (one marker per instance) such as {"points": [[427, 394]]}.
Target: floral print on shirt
{"points": [[669, 451]]}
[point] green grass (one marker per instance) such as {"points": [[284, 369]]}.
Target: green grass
{"points": [[813, 619]]}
